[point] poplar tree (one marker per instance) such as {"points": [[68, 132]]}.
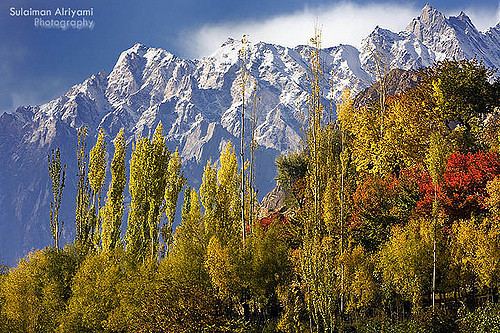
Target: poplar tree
{"points": [[194, 209], [253, 147], [157, 179], [315, 113], [174, 183], [436, 165], [57, 175], [318, 254], [187, 257], [228, 200], [139, 207], [243, 84], [219, 193], [97, 176], [83, 222], [148, 175], [208, 195], [112, 212]]}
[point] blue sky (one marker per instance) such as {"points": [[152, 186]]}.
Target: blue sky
{"points": [[39, 64]]}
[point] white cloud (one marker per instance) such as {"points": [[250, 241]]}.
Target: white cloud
{"points": [[344, 23], [341, 23]]}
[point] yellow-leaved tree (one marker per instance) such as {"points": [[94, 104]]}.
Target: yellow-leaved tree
{"points": [[148, 166], [174, 183], [112, 212], [97, 176]]}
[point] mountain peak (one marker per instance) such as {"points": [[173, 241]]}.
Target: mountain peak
{"points": [[430, 15], [464, 18], [428, 7], [430, 22], [140, 52], [378, 35], [137, 47], [378, 30]]}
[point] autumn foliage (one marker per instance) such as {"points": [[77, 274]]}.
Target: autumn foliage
{"points": [[385, 208], [463, 190]]}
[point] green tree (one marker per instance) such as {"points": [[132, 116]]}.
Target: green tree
{"points": [[404, 261], [174, 183], [83, 220], [97, 176], [291, 176], [463, 94], [148, 175], [112, 212], [57, 175], [184, 299], [208, 195], [436, 165], [36, 292], [476, 252], [95, 292], [270, 268]]}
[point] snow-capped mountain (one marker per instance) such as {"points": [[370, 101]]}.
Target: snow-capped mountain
{"points": [[199, 103]]}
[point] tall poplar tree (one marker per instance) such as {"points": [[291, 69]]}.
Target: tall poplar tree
{"points": [[253, 147], [148, 174], [157, 179], [174, 183], [112, 212], [228, 200], [57, 175], [208, 195], [97, 176], [243, 85], [137, 218], [436, 165], [83, 222]]}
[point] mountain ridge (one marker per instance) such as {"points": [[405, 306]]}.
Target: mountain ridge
{"points": [[199, 105]]}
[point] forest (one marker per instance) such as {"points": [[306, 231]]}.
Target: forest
{"points": [[390, 223]]}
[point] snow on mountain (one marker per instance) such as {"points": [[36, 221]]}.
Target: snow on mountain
{"points": [[454, 37], [198, 102]]}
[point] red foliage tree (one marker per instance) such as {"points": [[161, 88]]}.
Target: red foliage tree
{"points": [[463, 190]]}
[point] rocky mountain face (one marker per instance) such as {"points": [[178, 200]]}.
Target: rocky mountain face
{"points": [[199, 103]]}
